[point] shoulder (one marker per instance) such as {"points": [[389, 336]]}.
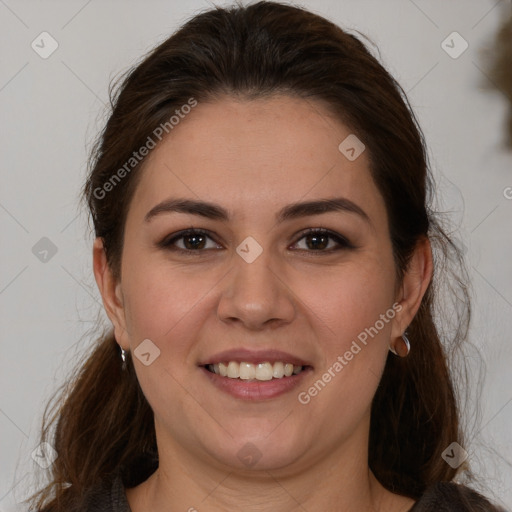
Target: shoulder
{"points": [[110, 493], [108, 496], [449, 496]]}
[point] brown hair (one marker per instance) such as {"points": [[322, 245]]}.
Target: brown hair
{"points": [[103, 422], [500, 56]]}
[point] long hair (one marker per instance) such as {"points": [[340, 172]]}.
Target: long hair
{"points": [[101, 422]]}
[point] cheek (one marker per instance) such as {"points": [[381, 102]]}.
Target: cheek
{"points": [[161, 301], [358, 311], [353, 358], [350, 299], [355, 314]]}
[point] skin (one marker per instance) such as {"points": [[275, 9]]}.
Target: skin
{"points": [[253, 158]]}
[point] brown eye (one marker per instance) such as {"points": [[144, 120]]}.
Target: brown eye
{"points": [[323, 240], [317, 241], [191, 240]]}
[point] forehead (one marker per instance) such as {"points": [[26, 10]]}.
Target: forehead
{"points": [[257, 154]]}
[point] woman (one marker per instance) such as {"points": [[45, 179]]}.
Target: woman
{"points": [[264, 253]]}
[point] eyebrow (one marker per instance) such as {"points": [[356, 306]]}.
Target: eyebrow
{"points": [[289, 212]]}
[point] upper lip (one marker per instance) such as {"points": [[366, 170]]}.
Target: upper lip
{"points": [[254, 356]]}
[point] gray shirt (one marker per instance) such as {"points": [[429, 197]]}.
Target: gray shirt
{"points": [[441, 497]]}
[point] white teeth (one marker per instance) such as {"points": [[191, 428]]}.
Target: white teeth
{"points": [[264, 371], [223, 369], [233, 370], [261, 371], [297, 369], [278, 370], [247, 371]]}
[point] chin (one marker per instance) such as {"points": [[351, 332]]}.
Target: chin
{"points": [[261, 450]]}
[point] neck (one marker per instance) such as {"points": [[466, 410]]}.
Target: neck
{"points": [[338, 479]]}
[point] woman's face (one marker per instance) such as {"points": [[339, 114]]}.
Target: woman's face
{"points": [[255, 287]]}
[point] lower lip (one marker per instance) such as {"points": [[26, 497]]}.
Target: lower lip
{"points": [[256, 389]]}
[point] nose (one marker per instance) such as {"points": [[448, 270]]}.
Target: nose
{"points": [[256, 295]]}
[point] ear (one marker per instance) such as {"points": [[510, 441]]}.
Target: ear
{"points": [[414, 285], [111, 293]]}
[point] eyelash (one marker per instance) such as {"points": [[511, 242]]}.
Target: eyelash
{"points": [[343, 243]]}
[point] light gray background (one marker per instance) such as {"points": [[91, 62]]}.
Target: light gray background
{"points": [[52, 108]]}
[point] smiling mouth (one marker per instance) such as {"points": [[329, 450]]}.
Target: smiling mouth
{"points": [[264, 371]]}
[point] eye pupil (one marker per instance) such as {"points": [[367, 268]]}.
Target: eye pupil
{"points": [[315, 241], [194, 244], [316, 237]]}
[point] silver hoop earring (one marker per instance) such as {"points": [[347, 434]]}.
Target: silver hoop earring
{"points": [[402, 346]]}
